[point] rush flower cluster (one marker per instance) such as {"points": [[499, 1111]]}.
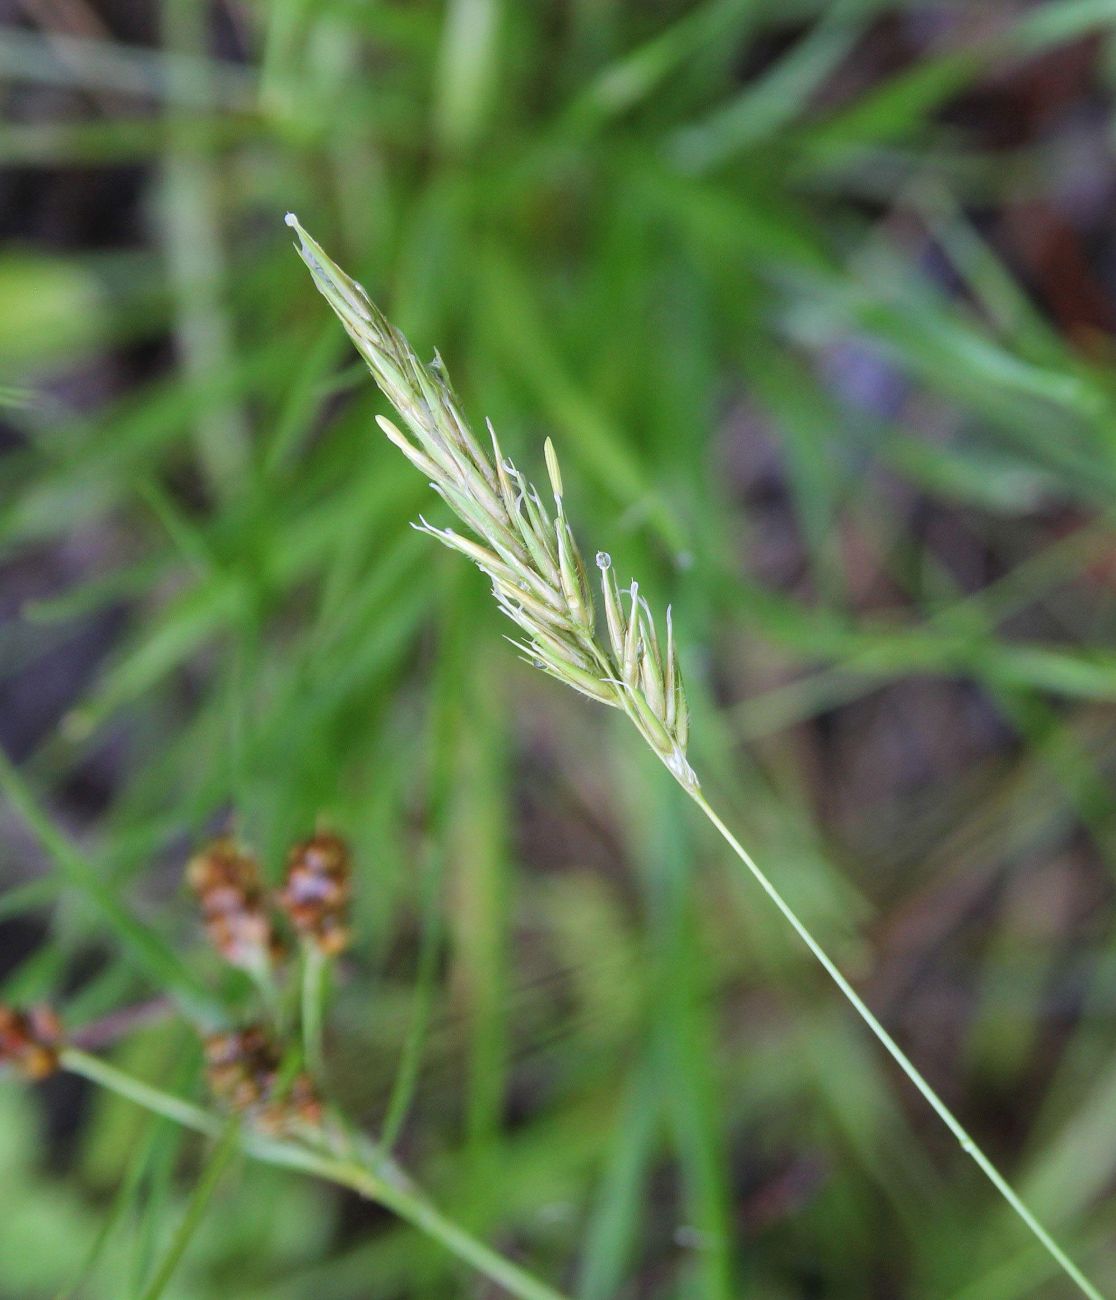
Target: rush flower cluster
{"points": [[318, 891], [233, 900], [30, 1041], [243, 1069], [237, 908]]}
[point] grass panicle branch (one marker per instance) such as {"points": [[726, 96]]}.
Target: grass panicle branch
{"points": [[539, 581]]}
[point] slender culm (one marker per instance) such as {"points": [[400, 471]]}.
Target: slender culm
{"points": [[539, 581]]}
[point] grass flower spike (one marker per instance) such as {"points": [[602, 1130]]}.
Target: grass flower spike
{"points": [[539, 581], [527, 550]]}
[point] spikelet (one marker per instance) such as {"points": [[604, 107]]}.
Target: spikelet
{"points": [[243, 1072], [318, 891], [529, 554], [230, 890], [30, 1041]]}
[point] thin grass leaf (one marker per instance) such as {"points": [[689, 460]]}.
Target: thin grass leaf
{"points": [[196, 1210], [148, 951]]}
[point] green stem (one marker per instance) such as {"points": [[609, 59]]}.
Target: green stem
{"points": [[195, 1212], [410, 1058], [153, 1099], [898, 1055], [315, 970], [422, 1215], [379, 1180]]}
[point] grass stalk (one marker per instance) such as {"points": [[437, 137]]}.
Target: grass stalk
{"points": [[410, 1058], [314, 989], [376, 1177], [967, 1142], [196, 262]]}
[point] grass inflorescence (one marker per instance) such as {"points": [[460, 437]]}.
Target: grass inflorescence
{"points": [[539, 578]]}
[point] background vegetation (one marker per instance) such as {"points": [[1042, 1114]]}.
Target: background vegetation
{"points": [[816, 300]]}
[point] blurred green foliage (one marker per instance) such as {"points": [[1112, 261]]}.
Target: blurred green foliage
{"points": [[742, 260]]}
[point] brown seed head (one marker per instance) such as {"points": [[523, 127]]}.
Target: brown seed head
{"points": [[229, 888], [318, 891], [242, 1067], [30, 1041]]}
